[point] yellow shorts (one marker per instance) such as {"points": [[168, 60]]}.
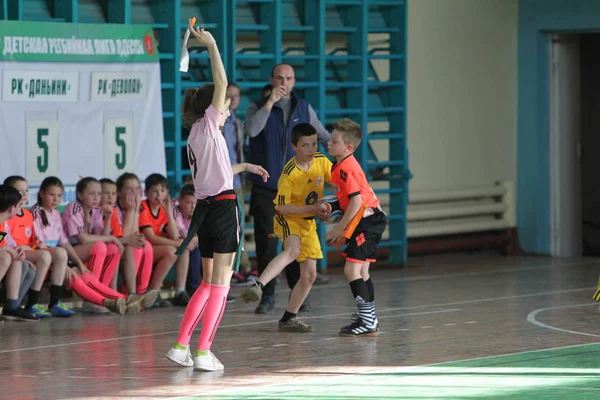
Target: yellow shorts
{"points": [[305, 229]]}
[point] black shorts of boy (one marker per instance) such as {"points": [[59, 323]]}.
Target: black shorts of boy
{"points": [[364, 243], [219, 233]]}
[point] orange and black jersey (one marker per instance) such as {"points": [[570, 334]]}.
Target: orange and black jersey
{"points": [[349, 180]]}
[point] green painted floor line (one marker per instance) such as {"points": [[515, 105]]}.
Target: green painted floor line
{"points": [[554, 374]]}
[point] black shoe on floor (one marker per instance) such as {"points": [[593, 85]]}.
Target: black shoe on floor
{"points": [[358, 328], [18, 314], [181, 299], [266, 305]]}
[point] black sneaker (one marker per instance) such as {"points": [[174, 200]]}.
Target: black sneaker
{"points": [[230, 299], [358, 328], [355, 322], [161, 303], [266, 305], [18, 314], [181, 299]]}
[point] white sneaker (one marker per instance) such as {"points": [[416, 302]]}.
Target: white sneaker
{"points": [[181, 356], [207, 363], [94, 308]]}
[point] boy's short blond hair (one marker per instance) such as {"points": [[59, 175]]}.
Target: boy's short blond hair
{"points": [[350, 130]]}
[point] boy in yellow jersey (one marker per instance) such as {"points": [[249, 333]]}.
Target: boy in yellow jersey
{"points": [[297, 203]]}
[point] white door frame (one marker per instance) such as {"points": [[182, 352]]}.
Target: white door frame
{"points": [[565, 147]]}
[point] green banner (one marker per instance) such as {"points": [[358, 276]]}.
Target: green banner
{"points": [[62, 42]]}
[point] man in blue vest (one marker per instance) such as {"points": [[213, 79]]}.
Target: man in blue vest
{"points": [[269, 122]]}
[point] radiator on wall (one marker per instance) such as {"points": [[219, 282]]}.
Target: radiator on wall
{"points": [[456, 211]]}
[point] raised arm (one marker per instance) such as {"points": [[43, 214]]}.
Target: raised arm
{"points": [[218, 70], [256, 118]]}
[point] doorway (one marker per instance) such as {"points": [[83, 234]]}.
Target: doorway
{"points": [[575, 145]]}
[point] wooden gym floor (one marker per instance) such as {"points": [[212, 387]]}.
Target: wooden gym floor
{"points": [[452, 327]]}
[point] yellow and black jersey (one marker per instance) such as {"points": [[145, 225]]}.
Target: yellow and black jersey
{"points": [[301, 188]]}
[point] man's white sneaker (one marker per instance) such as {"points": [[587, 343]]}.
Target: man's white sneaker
{"points": [[206, 361], [181, 356]]}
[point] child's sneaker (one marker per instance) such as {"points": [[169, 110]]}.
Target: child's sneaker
{"points": [[38, 311], [358, 328], [18, 314], [354, 318], [118, 306], [181, 299], [134, 303], [161, 303], [181, 355], [295, 325], [266, 305], [252, 294], [61, 311], [205, 360], [94, 308], [149, 298]]}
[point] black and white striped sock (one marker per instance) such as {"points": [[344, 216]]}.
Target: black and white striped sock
{"points": [[373, 315], [365, 313]]}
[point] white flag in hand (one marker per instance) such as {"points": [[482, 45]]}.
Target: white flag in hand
{"points": [[184, 61]]}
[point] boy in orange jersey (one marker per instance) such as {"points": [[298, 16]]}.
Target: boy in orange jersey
{"points": [[361, 209], [159, 227]]}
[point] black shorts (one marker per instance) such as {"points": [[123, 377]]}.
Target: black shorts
{"points": [[364, 243], [219, 233]]}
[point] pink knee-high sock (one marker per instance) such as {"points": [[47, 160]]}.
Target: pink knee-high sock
{"points": [[93, 282], [110, 264], [193, 313], [97, 257], [86, 292], [212, 316], [144, 269]]}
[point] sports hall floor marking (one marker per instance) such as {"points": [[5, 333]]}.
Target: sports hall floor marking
{"points": [[475, 301], [531, 317], [462, 274], [408, 369]]}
